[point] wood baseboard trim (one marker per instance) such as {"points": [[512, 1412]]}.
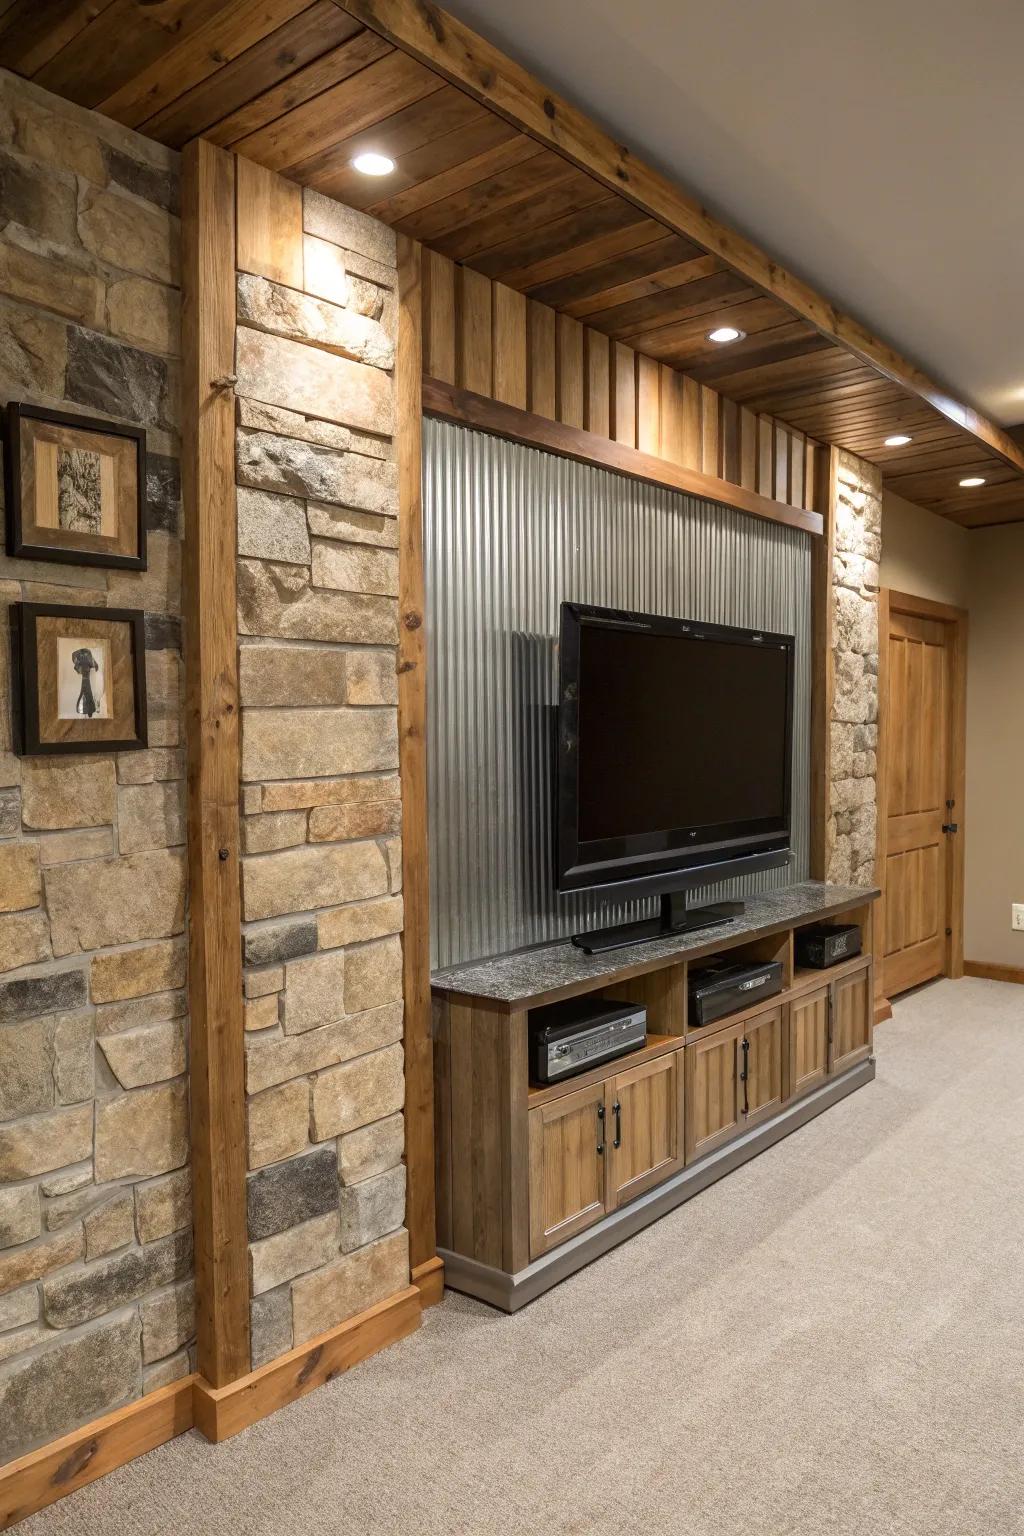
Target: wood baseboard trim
{"points": [[428, 1278], [40, 1478], [883, 1010], [986, 972], [221, 1412]]}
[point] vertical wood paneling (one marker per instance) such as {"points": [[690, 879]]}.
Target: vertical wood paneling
{"points": [[766, 456], [211, 711], [269, 225], [597, 401], [710, 403], [781, 481], [623, 394], [569, 370], [487, 338], [438, 316], [672, 392], [648, 405], [748, 449], [691, 423], [473, 331], [509, 346], [540, 357], [729, 420]]}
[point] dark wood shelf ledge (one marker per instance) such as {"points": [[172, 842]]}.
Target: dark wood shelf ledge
{"points": [[485, 415]]}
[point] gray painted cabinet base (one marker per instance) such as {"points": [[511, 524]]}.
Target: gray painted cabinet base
{"points": [[510, 1292]]}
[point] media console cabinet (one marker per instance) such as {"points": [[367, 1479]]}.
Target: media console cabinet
{"points": [[533, 1182]]}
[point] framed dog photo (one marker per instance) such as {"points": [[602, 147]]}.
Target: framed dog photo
{"points": [[75, 488], [79, 678]]}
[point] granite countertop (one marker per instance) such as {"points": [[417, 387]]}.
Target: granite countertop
{"points": [[526, 974]]}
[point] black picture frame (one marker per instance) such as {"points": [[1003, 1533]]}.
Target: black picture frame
{"points": [[20, 545], [25, 679]]}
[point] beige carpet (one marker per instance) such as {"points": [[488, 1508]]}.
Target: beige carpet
{"points": [[829, 1341]]}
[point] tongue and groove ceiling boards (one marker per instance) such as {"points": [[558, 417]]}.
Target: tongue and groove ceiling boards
{"points": [[498, 174]]}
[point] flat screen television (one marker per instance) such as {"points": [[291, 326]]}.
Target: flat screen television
{"points": [[675, 749]]}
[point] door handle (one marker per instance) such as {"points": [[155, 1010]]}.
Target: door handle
{"points": [[743, 1074], [950, 826], [600, 1129], [617, 1112]]}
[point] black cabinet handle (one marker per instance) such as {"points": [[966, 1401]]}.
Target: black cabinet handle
{"points": [[743, 1074], [600, 1129], [617, 1112]]}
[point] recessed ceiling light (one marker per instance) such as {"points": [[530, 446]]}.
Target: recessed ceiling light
{"points": [[373, 165], [724, 334], [972, 481], [898, 440]]}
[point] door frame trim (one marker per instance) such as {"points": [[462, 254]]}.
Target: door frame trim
{"points": [[891, 601]]}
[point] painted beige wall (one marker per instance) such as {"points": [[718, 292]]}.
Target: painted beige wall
{"points": [[995, 746], [924, 554]]}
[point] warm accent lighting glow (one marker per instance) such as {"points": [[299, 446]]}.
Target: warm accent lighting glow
{"points": [[724, 334], [373, 165], [898, 440], [972, 481]]}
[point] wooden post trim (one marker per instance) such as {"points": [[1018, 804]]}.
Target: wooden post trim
{"points": [[412, 756], [211, 700], [822, 663]]}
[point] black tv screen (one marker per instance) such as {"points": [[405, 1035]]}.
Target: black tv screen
{"points": [[675, 745]]}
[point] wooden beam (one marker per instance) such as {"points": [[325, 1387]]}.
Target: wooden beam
{"points": [[486, 415], [211, 707], [412, 758], [822, 665], [461, 56], [40, 1478]]}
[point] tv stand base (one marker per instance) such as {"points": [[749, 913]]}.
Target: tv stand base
{"points": [[675, 917]]}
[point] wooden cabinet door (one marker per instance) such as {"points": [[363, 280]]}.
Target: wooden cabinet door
{"points": [[807, 1045], [852, 1019], [568, 1167], [761, 1066], [712, 1091], [644, 1120]]}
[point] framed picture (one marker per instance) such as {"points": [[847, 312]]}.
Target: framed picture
{"points": [[79, 678], [75, 488]]}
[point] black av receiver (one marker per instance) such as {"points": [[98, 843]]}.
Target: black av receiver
{"points": [[718, 987], [826, 944], [571, 1037]]}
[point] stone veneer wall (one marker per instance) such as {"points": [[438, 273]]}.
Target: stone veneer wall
{"points": [[854, 727], [321, 875], [95, 1227]]}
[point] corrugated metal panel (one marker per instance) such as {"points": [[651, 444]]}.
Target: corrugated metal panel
{"points": [[509, 533]]}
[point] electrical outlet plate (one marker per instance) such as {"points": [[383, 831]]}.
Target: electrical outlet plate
{"points": [[1017, 915]]}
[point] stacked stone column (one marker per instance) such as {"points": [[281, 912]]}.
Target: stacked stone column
{"points": [[321, 876]]}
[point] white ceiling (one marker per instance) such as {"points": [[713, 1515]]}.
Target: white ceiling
{"points": [[874, 146]]}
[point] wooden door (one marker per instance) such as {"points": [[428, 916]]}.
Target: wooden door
{"points": [[568, 1167], [853, 1015], [921, 796], [644, 1119], [807, 1043], [761, 1066], [712, 1091]]}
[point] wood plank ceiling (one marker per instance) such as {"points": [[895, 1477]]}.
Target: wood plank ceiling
{"points": [[302, 88]]}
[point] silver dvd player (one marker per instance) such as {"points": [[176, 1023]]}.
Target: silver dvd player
{"points": [[566, 1038]]}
